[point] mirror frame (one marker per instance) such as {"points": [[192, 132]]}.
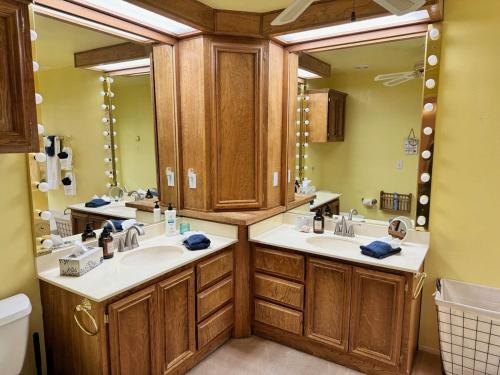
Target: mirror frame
{"points": [[430, 95]]}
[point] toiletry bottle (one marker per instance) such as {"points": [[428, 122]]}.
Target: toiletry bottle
{"points": [[106, 242], [157, 212], [395, 203], [88, 232], [318, 223], [170, 221]]}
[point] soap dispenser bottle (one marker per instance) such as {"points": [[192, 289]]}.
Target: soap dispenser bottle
{"points": [[170, 221], [157, 212], [88, 232], [318, 222], [106, 242]]}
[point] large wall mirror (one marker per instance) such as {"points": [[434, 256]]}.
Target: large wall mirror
{"points": [[97, 132], [364, 128]]}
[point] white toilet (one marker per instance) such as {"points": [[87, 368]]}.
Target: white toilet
{"points": [[14, 328]]}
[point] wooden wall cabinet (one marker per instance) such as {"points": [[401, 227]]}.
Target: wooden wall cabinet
{"points": [[18, 126], [230, 129], [327, 115]]}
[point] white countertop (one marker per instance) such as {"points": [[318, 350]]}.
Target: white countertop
{"points": [[115, 209], [113, 277], [323, 197], [410, 259]]}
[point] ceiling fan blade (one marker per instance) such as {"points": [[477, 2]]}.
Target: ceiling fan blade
{"points": [[385, 77], [292, 12], [398, 81], [400, 7]]}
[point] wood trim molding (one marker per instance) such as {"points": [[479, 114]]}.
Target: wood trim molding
{"points": [[110, 54], [315, 65], [238, 23]]}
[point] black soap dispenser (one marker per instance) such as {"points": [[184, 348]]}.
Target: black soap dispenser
{"points": [[88, 232], [319, 223]]}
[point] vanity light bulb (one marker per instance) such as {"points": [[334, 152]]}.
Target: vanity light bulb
{"points": [[107, 147], [430, 83], [102, 79], [43, 187], [38, 98], [298, 97], [107, 160], [307, 110], [425, 177], [297, 156], [421, 220], [297, 144], [298, 109], [105, 120], [432, 60], [116, 146], [114, 133], [113, 107], [426, 154], [110, 80], [428, 130], [116, 159], [40, 157], [434, 34], [114, 120], [298, 122], [108, 185], [104, 106], [428, 107], [306, 122], [105, 133], [41, 129], [298, 134], [111, 94], [307, 98], [103, 93], [35, 66], [47, 244], [45, 215], [306, 134], [424, 199], [306, 156], [305, 167], [33, 35], [306, 144]]}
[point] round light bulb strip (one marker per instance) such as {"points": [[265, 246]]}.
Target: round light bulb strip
{"points": [[302, 133], [109, 133]]}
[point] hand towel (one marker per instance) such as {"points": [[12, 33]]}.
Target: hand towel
{"points": [[53, 166], [69, 183], [66, 158], [379, 250], [94, 203], [197, 242], [120, 225]]}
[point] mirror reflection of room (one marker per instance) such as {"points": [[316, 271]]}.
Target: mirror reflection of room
{"points": [[359, 127], [98, 124]]}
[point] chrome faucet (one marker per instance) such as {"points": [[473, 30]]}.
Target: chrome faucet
{"points": [[343, 228], [130, 242], [352, 212], [137, 196]]}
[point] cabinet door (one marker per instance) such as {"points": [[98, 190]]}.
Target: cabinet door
{"points": [[377, 315], [97, 221], [236, 127], [78, 222], [132, 334], [328, 289], [18, 129], [177, 319], [336, 116]]}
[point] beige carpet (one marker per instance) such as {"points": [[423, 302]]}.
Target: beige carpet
{"points": [[258, 356]]}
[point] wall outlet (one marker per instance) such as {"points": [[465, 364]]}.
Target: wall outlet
{"points": [[399, 164]]}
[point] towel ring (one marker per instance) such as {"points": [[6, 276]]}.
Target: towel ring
{"points": [[422, 276], [85, 307]]}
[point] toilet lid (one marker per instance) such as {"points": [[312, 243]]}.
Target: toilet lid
{"points": [[14, 308]]}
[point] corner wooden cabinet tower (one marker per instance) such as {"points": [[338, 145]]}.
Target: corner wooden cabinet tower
{"points": [[230, 123], [327, 115]]}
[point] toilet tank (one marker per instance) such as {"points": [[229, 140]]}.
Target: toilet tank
{"points": [[14, 328]]}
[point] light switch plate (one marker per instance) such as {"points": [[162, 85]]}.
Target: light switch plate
{"points": [[275, 178], [170, 177], [192, 180], [399, 164]]}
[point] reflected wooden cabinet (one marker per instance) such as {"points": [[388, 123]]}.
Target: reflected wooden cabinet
{"points": [[327, 115], [18, 127], [80, 219], [377, 315], [230, 129]]}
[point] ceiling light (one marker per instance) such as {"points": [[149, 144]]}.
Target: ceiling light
{"points": [[306, 74], [122, 65], [139, 15], [86, 23], [358, 26]]}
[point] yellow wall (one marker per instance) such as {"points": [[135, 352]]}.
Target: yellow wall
{"points": [[134, 118], [466, 172], [378, 119], [71, 107], [17, 268]]}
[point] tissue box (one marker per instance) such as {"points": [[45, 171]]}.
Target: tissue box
{"points": [[77, 266]]}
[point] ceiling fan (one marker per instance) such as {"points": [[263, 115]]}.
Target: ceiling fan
{"points": [[394, 79], [295, 9]]}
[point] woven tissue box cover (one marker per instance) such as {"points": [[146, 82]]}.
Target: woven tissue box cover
{"points": [[77, 266]]}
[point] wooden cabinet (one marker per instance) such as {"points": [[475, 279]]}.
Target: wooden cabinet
{"points": [[377, 315], [230, 129], [18, 126], [132, 334], [80, 219], [328, 302], [177, 319], [327, 115]]}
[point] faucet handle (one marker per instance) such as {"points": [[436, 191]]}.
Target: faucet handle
{"points": [[350, 231], [134, 243], [338, 229], [121, 245]]}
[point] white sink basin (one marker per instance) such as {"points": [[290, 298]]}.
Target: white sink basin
{"points": [[330, 243], [150, 256]]}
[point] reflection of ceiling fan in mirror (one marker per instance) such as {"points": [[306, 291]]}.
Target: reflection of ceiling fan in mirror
{"points": [[394, 79], [297, 7]]}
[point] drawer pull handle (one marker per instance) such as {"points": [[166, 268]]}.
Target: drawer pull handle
{"points": [[422, 276], [85, 307]]}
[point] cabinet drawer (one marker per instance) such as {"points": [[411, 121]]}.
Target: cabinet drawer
{"points": [[278, 316], [280, 263], [213, 269], [282, 291], [216, 324], [214, 297]]}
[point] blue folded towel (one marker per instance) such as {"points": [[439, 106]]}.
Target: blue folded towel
{"points": [[197, 242], [97, 202], [117, 225], [379, 250]]}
